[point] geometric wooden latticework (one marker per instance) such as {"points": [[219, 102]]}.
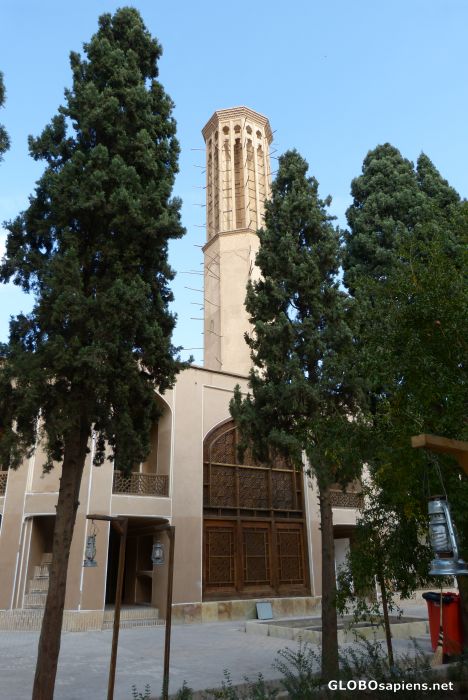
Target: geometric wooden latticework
{"points": [[138, 484], [349, 497], [219, 544], [254, 533], [232, 488], [3, 481]]}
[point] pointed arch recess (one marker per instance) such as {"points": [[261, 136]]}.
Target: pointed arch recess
{"points": [[254, 525]]}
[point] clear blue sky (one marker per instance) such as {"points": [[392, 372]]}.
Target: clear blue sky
{"points": [[334, 77]]}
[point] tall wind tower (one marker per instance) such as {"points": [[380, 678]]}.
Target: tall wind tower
{"points": [[237, 183]]}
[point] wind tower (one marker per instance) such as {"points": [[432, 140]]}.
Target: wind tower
{"points": [[238, 179]]}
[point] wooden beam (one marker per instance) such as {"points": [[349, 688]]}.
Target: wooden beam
{"points": [[437, 443]]}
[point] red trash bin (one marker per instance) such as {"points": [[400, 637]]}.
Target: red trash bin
{"points": [[451, 621]]}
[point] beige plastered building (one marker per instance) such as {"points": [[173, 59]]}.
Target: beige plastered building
{"points": [[243, 532]]}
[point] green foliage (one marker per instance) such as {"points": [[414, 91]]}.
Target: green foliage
{"points": [[383, 533], [92, 248], [405, 265], [140, 696], [184, 693], [390, 200], [4, 138], [300, 670], [364, 660], [250, 690], [301, 389]]}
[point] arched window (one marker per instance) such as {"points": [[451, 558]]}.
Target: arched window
{"points": [[254, 534]]}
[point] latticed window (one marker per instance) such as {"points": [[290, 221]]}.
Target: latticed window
{"points": [[254, 534]]}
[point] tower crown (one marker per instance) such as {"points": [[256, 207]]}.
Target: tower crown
{"points": [[238, 169]]}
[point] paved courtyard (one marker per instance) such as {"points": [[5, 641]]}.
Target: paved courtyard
{"points": [[199, 654]]}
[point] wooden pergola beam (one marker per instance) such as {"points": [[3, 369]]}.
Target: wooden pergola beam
{"points": [[437, 443]]}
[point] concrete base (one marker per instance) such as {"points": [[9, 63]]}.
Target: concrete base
{"points": [[142, 616], [309, 630], [223, 611]]}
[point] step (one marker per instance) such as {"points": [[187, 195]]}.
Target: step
{"points": [[46, 558], [41, 571], [38, 585], [34, 600], [138, 616]]}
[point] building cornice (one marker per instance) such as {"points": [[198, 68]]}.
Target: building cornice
{"points": [[222, 115], [232, 232]]}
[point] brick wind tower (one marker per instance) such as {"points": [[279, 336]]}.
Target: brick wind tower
{"points": [[238, 179]]}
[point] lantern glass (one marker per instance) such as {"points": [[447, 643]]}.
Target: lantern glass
{"points": [[157, 554], [90, 551], [444, 540]]}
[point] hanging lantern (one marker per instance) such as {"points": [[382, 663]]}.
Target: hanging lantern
{"points": [[444, 540], [157, 555], [90, 551]]}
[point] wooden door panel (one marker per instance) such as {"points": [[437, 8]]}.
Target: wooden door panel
{"points": [[220, 557], [256, 558]]}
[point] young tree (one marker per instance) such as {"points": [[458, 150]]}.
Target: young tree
{"points": [[92, 248], [4, 139], [382, 531], [302, 396]]}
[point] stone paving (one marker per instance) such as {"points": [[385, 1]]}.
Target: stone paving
{"points": [[199, 653]]}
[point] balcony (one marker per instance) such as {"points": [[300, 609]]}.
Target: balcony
{"points": [[136, 484], [349, 498], [3, 482]]}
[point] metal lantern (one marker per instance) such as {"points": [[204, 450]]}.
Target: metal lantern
{"points": [[157, 555], [90, 551], [444, 540]]}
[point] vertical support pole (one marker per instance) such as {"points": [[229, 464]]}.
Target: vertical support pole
{"points": [[122, 526], [167, 639]]}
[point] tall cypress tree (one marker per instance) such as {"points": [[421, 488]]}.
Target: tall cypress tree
{"points": [[386, 202], [4, 139], [410, 297], [391, 202], [301, 394], [92, 248], [434, 186]]}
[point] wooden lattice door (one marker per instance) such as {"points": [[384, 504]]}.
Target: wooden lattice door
{"points": [[254, 533]]}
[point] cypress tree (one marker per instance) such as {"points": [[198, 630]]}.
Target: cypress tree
{"points": [[410, 302], [386, 203], [434, 186], [92, 248], [4, 139], [391, 201], [301, 394]]}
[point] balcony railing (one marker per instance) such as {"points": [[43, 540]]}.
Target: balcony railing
{"points": [[346, 499], [137, 484], [3, 480]]}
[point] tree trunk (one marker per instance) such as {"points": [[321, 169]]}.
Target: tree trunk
{"points": [[329, 617], [388, 632], [67, 505], [462, 582]]}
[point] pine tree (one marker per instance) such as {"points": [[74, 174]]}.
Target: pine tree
{"points": [[92, 248], [4, 139], [301, 394]]}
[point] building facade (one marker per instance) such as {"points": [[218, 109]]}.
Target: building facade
{"points": [[244, 532]]}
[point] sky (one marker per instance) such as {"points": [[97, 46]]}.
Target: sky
{"points": [[335, 78]]}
